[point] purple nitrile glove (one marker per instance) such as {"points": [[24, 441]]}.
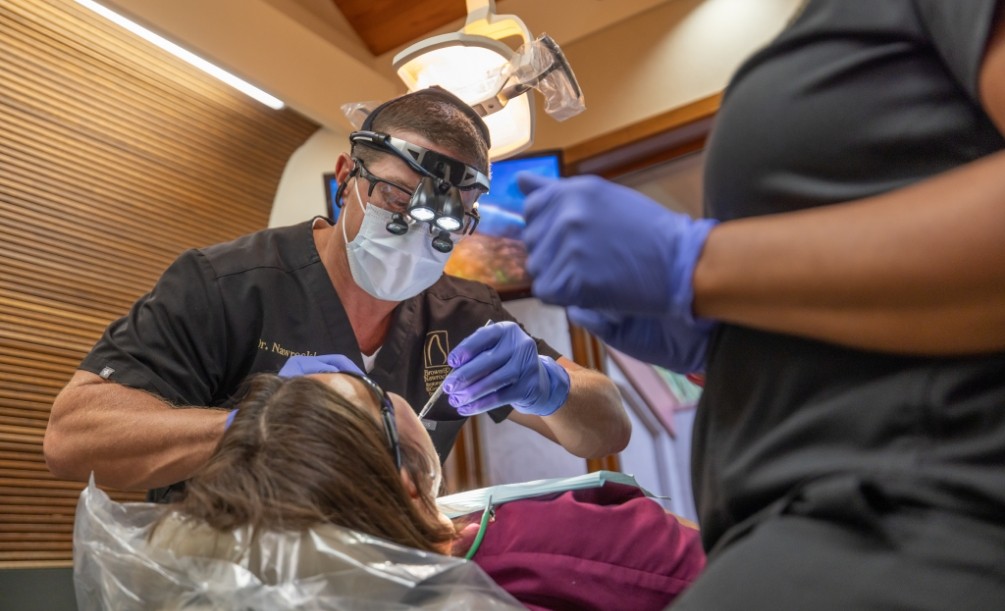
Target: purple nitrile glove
{"points": [[499, 365], [676, 344], [599, 245], [300, 365], [230, 419]]}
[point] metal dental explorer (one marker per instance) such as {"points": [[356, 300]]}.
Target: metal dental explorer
{"points": [[439, 389]]}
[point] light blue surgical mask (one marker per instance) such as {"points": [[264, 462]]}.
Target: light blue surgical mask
{"points": [[387, 266]]}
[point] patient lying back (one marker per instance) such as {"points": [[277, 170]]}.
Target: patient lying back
{"points": [[310, 461]]}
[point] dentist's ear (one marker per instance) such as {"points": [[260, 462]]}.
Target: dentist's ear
{"points": [[345, 168]]}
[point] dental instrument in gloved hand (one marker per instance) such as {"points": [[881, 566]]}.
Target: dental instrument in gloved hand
{"points": [[439, 389], [432, 399], [500, 366]]}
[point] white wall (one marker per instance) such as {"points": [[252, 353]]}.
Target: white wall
{"points": [[660, 60], [301, 192]]}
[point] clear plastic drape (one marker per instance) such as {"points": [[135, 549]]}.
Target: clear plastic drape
{"points": [[189, 566]]}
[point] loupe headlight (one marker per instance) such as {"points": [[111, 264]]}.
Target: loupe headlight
{"points": [[424, 204], [437, 200], [451, 214], [438, 204]]}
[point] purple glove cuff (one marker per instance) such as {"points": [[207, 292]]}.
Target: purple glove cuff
{"points": [[685, 260], [555, 389]]}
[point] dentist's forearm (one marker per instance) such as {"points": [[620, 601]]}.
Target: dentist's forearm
{"points": [[130, 439]]}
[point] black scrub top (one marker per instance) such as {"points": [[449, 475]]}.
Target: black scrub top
{"points": [[856, 98], [222, 313]]}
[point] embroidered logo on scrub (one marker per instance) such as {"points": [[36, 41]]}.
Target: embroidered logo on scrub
{"points": [[435, 359]]}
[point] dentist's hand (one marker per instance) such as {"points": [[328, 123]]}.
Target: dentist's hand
{"points": [[666, 341], [300, 365], [599, 245], [498, 365]]}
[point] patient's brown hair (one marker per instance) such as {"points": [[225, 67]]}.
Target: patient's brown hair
{"points": [[299, 454]]}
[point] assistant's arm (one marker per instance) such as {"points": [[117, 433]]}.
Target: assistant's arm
{"points": [[592, 423], [920, 270], [129, 438]]}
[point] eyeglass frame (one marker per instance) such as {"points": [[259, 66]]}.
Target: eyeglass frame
{"points": [[386, 415], [374, 180], [471, 216]]}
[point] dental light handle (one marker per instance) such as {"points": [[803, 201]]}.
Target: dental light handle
{"points": [[539, 65], [483, 21]]}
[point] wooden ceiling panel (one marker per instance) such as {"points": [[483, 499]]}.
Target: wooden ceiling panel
{"points": [[386, 24]]}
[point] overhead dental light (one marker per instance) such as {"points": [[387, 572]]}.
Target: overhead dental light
{"points": [[497, 81]]}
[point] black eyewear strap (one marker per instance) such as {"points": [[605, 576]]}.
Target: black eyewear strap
{"points": [[424, 161], [386, 414]]}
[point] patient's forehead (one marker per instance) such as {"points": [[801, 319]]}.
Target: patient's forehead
{"points": [[350, 387], [356, 391], [399, 402]]}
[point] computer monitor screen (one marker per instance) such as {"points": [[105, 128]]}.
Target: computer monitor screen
{"points": [[494, 254], [331, 187]]}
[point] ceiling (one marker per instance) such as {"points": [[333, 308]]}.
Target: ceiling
{"points": [[385, 24], [319, 54], [382, 26]]}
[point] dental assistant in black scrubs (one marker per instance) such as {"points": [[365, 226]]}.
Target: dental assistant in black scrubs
{"points": [[846, 300]]}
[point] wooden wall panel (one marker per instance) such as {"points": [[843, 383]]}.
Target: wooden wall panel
{"points": [[114, 158]]}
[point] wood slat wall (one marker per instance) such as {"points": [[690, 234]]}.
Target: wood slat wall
{"points": [[114, 158]]}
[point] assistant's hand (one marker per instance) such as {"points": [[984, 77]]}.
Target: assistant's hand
{"points": [[599, 245], [673, 343], [498, 365], [300, 365]]}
